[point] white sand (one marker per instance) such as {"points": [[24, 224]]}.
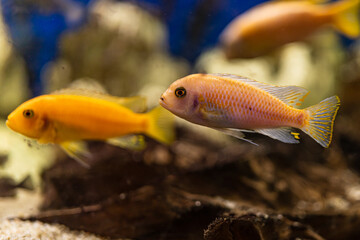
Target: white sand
{"points": [[25, 230]]}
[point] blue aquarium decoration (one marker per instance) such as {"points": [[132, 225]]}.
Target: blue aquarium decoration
{"points": [[35, 29]]}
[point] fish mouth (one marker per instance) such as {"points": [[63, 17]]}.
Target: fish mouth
{"points": [[162, 101], [11, 126], [8, 124]]}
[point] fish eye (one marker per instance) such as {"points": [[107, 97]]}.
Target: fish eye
{"points": [[28, 113], [180, 92]]}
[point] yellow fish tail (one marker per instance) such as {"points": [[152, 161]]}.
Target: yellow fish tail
{"points": [[346, 17], [321, 120], [161, 125]]}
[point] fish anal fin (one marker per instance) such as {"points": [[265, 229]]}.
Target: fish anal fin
{"points": [[133, 142], [291, 95], [78, 151], [285, 135]]}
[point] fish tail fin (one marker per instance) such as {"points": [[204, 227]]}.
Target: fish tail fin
{"points": [[161, 125], [321, 120], [346, 17]]}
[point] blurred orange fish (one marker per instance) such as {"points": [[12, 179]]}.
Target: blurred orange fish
{"points": [[234, 104], [271, 25], [67, 119]]}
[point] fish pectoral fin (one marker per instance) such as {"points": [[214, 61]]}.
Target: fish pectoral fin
{"points": [[212, 114], [50, 134], [285, 135], [237, 133], [78, 151], [133, 142]]}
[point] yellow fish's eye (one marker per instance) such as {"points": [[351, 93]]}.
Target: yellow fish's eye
{"points": [[180, 92], [28, 113]]}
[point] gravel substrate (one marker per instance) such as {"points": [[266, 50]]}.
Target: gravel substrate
{"points": [[23, 230]]}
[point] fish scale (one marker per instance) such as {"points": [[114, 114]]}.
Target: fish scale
{"points": [[255, 107]]}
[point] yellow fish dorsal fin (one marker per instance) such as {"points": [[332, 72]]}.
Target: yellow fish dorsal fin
{"points": [[95, 90], [88, 84], [291, 95]]}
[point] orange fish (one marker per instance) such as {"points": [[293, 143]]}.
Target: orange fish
{"points": [[67, 119], [234, 104], [271, 25]]}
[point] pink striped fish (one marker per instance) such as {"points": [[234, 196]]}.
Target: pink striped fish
{"points": [[234, 104]]}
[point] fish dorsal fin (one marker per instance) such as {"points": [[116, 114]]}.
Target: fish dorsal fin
{"points": [[291, 95], [88, 84], [95, 90]]}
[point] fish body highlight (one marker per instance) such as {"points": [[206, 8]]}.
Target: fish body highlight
{"points": [[227, 102], [270, 25]]}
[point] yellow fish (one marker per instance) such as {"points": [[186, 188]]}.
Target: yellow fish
{"points": [[234, 104], [70, 116], [271, 25]]}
